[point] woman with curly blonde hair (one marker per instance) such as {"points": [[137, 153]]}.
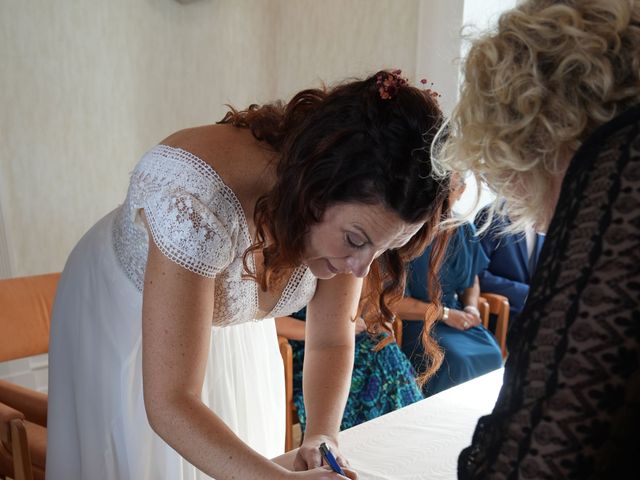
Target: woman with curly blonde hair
{"points": [[549, 118]]}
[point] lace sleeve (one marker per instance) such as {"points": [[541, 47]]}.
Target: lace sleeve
{"points": [[190, 233]]}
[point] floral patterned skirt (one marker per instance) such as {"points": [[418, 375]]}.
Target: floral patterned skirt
{"points": [[382, 381]]}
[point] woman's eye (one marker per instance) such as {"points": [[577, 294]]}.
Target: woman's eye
{"points": [[355, 243]]}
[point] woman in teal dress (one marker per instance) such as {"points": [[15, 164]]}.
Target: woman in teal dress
{"points": [[382, 380], [469, 349]]}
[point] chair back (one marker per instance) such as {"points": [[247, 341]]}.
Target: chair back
{"points": [[290, 413], [497, 305], [396, 326], [25, 315]]}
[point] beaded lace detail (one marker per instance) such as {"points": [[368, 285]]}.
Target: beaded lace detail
{"points": [[197, 221]]}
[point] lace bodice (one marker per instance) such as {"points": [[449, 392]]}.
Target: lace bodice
{"points": [[197, 221]]}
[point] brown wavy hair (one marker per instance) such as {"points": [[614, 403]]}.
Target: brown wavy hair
{"points": [[347, 144]]}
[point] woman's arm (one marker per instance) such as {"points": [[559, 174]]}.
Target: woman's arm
{"points": [[470, 295], [294, 329], [176, 327], [290, 327], [409, 308], [469, 299], [328, 362]]}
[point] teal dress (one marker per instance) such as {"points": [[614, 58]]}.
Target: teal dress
{"points": [[382, 381], [469, 353]]}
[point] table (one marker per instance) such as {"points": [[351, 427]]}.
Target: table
{"points": [[422, 440]]}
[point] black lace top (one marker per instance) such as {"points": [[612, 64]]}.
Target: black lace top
{"points": [[570, 404]]}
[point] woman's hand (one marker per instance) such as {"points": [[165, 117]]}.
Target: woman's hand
{"points": [[473, 310], [310, 460], [462, 320], [322, 473], [309, 456]]}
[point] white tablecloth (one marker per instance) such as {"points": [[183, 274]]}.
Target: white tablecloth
{"points": [[423, 440]]}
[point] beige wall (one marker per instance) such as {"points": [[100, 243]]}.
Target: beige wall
{"points": [[332, 40], [87, 86]]}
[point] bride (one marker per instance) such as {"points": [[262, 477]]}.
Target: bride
{"points": [[164, 361]]}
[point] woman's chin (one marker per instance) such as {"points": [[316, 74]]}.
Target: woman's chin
{"points": [[321, 272], [323, 275]]}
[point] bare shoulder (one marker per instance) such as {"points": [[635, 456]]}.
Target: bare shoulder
{"points": [[211, 143], [245, 164]]}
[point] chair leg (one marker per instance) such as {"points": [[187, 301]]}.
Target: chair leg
{"points": [[288, 441], [21, 456]]}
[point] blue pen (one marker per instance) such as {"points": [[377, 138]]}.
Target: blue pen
{"points": [[330, 459]]}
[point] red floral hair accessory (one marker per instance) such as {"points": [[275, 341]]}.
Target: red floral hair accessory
{"points": [[389, 82]]}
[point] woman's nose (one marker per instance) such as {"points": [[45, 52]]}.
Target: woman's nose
{"points": [[359, 265]]}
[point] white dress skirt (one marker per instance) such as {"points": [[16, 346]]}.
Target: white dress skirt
{"points": [[97, 425]]}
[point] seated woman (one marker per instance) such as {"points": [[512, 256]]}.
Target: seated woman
{"points": [[512, 259], [382, 381], [469, 349]]}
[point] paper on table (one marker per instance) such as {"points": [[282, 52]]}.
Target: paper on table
{"points": [[423, 440]]}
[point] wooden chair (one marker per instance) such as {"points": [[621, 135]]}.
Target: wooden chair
{"points": [[492, 303], [397, 330], [287, 360], [25, 317], [291, 413]]}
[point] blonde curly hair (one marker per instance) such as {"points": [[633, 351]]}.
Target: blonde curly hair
{"points": [[534, 89]]}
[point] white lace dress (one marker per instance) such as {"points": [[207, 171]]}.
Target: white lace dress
{"points": [[97, 426]]}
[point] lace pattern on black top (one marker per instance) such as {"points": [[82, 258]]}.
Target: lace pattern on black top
{"points": [[570, 404]]}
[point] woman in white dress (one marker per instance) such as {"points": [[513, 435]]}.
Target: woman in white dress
{"points": [[157, 370]]}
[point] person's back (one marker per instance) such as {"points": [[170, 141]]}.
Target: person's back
{"points": [[559, 141]]}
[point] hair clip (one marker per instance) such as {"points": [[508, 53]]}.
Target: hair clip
{"points": [[389, 82]]}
